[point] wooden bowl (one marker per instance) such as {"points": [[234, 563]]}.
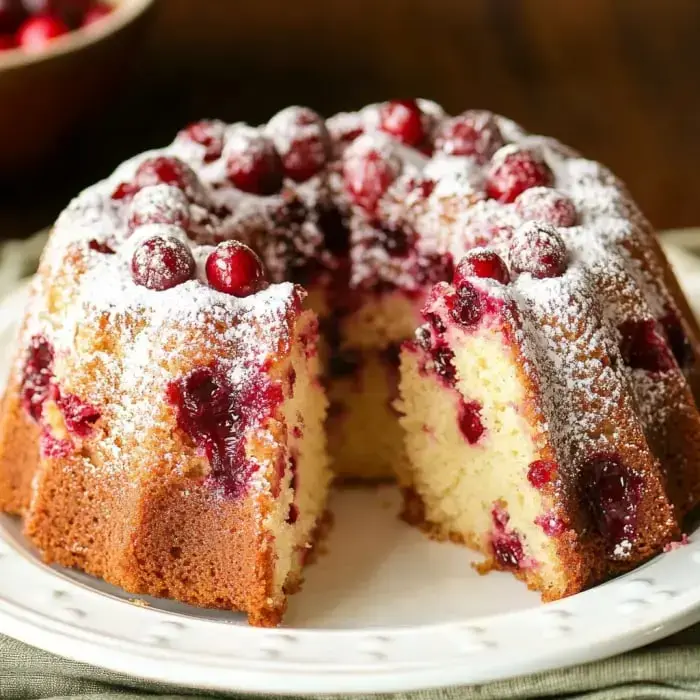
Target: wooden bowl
{"points": [[46, 95]]}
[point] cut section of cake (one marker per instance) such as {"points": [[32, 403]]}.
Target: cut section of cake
{"points": [[523, 407], [169, 410]]}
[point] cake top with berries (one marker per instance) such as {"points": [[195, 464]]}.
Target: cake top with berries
{"points": [[230, 217]]}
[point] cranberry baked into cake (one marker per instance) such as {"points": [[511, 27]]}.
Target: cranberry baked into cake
{"points": [[166, 419]]}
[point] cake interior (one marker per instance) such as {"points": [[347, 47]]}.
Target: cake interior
{"points": [[300, 497], [470, 447]]}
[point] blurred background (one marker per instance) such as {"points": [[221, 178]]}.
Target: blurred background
{"points": [[617, 79]]}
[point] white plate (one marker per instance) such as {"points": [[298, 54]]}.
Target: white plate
{"points": [[384, 610]]}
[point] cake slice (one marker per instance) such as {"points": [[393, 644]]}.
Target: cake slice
{"points": [[163, 425], [523, 436]]}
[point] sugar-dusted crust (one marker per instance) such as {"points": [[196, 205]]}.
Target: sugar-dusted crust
{"points": [[19, 447]]}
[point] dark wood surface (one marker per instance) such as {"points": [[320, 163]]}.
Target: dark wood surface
{"points": [[617, 79]]}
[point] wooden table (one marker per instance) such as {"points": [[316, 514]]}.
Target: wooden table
{"points": [[618, 79]]}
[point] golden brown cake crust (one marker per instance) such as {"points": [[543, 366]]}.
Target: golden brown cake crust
{"points": [[19, 452]]}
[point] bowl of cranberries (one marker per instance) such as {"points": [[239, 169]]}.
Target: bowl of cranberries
{"points": [[59, 61]]}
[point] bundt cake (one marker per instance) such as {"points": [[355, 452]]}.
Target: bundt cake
{"points": [[165, 422]]}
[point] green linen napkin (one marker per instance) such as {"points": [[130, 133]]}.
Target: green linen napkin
{"points": [[668, 670]]}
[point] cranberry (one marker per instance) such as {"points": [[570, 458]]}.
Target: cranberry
{"points": [[515, 172], [613, 493], [500, 516], [436, 323], [209, 134], [481, 263], [467, 308], [402, 119], [159, 204], [217, 416], [36, 32], [37, 376], [551, 524], [508, 550], [643, 346], [293, 514], [537, 248], [421, 187], [253, 165], [469, 419], [443, 363], [541, 472], [124, 190], [548, 205], [474, 133], [98, 11], [233, 268], [302, 140], [161, 263], [7, 42], [53, 448], [368, 174], [680, 346], [79, 416], [101, 247], [11, 15], [166, 170], [423, 337]]}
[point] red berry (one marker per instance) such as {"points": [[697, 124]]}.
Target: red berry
{"points": [[124, 190], [467, 308], [161, 263], [159, 204], [548, 205], [165, 170], [508, 550], [302, 141], [481, 263], [469, 419], [474, 133], [541, 472], [644, 346], [209, 134], [98, 11], [37, 376], [513, 172], [538, 249], [403, 120], [7, 42], [253, 165], [368, 174], [613, 493], [678, 340], [551, 525], [420, 188], [233, 268], [79, 416], [36, 32], [101, 247]]}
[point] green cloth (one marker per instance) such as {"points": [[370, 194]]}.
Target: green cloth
{"points": [[667, 670]]}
